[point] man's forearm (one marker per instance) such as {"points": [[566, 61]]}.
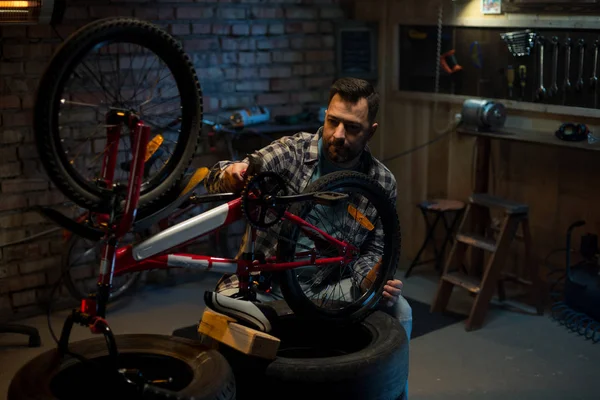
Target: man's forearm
{"points": [[213, 182]]}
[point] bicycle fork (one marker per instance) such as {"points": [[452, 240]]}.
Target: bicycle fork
{"points": [[92, 311]]}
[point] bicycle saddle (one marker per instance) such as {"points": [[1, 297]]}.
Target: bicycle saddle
{"points": [[257, 316]]}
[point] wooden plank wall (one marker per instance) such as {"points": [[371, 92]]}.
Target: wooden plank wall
{"points": [[560, 185]]}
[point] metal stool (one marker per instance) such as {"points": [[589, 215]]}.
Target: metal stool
{"points": [[439, 208]]}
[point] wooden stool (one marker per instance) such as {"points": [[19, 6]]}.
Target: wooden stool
{"points": [[439, 208], [484, 288]]}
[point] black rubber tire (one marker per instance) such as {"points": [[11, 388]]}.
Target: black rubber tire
{"points": [[375, 366], [117, 293], [291, 290], [69, 54], [211, 376]]}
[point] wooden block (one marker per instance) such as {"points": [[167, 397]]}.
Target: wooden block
{"points": [[224, 329]]}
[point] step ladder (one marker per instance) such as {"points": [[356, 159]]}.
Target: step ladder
{"points": [[483, 288]]}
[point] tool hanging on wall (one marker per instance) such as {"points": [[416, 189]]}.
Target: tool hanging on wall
{"points": [[567, 82], [523, 79], [510, 78], [554, 86], [520, 44], [594, 78], [579, 83], [449, 63], [541, 90], [477, 60]]}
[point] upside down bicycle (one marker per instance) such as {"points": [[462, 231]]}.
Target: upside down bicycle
{"points": [[358, 210]]}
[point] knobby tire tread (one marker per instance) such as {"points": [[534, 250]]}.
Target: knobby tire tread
{"points": [[296, 298], [46, 94]]}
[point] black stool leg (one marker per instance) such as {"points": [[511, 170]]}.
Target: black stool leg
{"points": [[33, 333], [429, 237]]}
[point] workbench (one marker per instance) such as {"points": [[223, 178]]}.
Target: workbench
{"points": [[483, 146], [483, 160], [245, 140]]}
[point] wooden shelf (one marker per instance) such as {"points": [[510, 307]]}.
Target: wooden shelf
{"points": [[528, 136], [509, 104]]}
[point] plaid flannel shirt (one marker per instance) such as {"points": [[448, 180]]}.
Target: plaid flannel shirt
{"points": [[295, 159]]}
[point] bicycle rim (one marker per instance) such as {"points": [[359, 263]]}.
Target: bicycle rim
{"points": [[332, 291], [112, 66]]}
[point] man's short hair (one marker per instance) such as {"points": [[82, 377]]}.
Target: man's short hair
{"points": [[354, 89]]}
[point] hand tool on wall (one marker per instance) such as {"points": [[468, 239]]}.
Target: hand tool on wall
{"points": [[519, 43], [477, 60], [510, 77], [522, 79], [594, 78], [449, 63], [579, 83], [567, 82], [541, 90], [554, 86]]}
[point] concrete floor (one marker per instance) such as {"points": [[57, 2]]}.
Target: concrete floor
{"points": [[514, 356]]}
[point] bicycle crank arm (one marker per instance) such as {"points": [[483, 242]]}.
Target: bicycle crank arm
{"points": [[322, 198], [67, 223]]}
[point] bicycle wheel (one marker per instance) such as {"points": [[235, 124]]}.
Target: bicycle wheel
{"points": [[367, 219], [81, 262], [112, 73]]}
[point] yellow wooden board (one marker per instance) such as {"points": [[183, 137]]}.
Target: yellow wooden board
{"points": [[224, 329]]}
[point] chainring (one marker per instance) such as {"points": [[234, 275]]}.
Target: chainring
{"points": [[257, 199]]}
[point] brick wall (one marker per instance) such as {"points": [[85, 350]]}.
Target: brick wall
{"points": [[277, 53]]}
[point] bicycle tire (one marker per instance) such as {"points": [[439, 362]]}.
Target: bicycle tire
{"points": [[71, 51], [117, 292], [198, 372], [290, 287]]}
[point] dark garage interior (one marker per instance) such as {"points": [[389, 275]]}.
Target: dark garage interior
{"points": [[168, 169]]}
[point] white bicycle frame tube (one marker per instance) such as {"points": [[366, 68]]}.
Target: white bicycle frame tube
{"points": [[183, 232]]}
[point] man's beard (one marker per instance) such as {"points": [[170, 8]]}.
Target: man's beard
{"points": [[339, 154]]}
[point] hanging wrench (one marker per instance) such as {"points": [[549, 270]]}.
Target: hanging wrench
{"points": [[554, 88], [567, 82], [579, 84], [594, 78], [541, 91]]}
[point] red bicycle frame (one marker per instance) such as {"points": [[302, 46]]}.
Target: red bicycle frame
{"points": [[153, 252]]}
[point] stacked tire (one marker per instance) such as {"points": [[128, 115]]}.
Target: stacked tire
{"points": [[182, 369], [368, 360]]}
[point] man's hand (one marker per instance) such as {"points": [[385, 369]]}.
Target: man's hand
{"points": [[392, 291], [232, 177]]}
